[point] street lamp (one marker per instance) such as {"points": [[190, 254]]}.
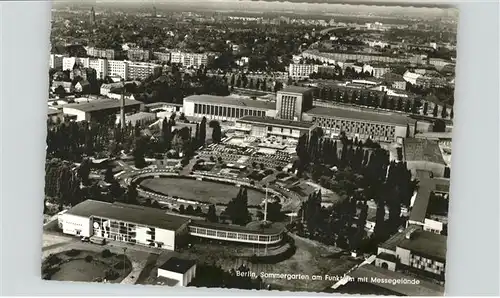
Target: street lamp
{"points": [[124, 250]]}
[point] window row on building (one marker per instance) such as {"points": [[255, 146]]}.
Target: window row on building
{"points": [[234, 236], [352, 128], [225, 111]]}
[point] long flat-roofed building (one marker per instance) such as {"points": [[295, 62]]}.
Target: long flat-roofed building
{"points": [[99, 110], [126, 223], [261, 127], [226, 108], [378, 126]]}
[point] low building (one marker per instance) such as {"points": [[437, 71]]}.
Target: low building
{"points": [[141, 118], [226, 108], [106, 88], [180, 271], [67, 86], [411, 77], [262, 127], [425, 155], [125, 223], [415, 250], [361, 124], [395, 81], [99, 110]]}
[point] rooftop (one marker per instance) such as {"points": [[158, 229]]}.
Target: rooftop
{"points": [[228, 100], [280, 122], [423, 150], [425, 187], [424, 288], [101, 104], [178, 265], [52, 112], [130, 213], [427, 244], [434, 135], [387, 257], [363, 115], [251, 229], [296, 89], [394, 241]]}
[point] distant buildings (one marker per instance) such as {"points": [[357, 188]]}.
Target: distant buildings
{"points": [[100, 66], [142, 70], [411, 77], [56, 61], [161, 56], [191, 59], [302, 71], [101, 53], [136, 54], [118, 68], [92, 16]]}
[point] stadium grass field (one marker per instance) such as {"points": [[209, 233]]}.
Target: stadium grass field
{"points": [[202, 191]]}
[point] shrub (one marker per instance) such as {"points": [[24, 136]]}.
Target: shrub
{"points": [[72, 253], [111, 274], [52, 260], [89, 259], [122, 265], [106, 253]]}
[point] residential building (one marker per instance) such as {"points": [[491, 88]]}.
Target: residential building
{"points": [[191, 59], [56, 61], [161, 56], [69, 62], [302, 71], [142, 70], [439, 63], [359, 57], [411, 77], [118, 68], [137, 54], [68, 86], [262, 127], [101, 53], [100, 66], [106, 88], [82, 86], [361, 123], [292, 101], [226, 108], [100, 110], [395, 81]]}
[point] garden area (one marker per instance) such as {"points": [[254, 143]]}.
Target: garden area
{"points": [[86, 266]]}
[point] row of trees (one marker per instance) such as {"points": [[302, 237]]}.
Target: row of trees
{"points": [[264, 84], [356, 175]]}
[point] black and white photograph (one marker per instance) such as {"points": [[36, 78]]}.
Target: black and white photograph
{"points": [[300, 146]]}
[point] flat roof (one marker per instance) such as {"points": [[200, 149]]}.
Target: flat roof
{"points": [[178, 265], [130, 213], [296, 89], [270, 230], [280, 122], [234, 101], [426, 243], [101, 104], [425, 187], [363, 115], [434, 135], [422, 150], [51, 112], [395, 239], [424, 288]]}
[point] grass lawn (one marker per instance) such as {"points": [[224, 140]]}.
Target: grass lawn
{"points": [[86, 266], [204, 191]]}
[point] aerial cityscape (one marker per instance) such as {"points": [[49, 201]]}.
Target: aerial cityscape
{"points": [[257, 145]]}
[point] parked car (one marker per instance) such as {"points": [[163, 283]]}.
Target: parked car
{"points": [[85, 239]]}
